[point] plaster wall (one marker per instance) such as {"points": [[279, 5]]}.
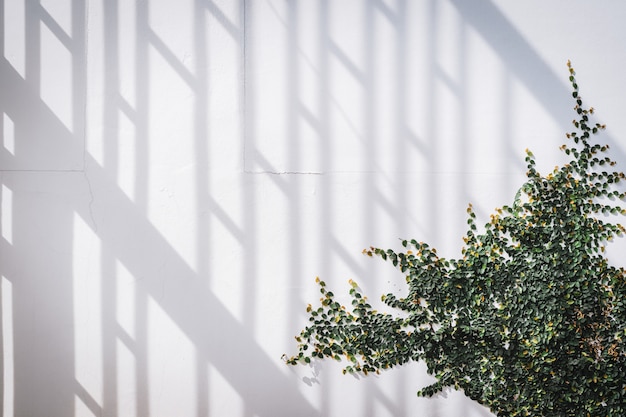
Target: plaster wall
{"points": [[174, 175]]}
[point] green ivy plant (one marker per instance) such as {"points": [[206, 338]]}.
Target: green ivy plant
{"points": [[530, 321]]}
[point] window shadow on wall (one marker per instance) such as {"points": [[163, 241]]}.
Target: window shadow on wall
{"points": [[162, 276], [50, 180], [42, 79], [315, 120]]}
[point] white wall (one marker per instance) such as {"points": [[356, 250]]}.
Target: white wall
{"points": [[175, 174]]}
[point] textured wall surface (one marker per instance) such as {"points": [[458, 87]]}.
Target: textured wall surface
{"points": [[174, 175]]}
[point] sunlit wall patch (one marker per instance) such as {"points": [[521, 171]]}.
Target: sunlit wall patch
{"points": [[87, 272], [15, 35], [7, 346], [8, 134], [56, 76], [6, 214]]}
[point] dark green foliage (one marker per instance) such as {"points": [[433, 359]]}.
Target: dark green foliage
{"points": [[531, 321]]}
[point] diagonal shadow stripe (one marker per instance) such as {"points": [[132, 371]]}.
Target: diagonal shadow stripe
{"points": [[38, 128], [219, 337], [518, 55], [223, 341], [524, 62]]}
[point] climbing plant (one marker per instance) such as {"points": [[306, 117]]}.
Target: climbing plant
{"points": [[530, 321]]}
